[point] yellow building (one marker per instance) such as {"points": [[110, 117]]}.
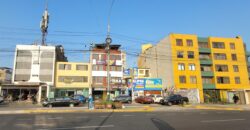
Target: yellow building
{"points": [[205, 69], [72, 78]]}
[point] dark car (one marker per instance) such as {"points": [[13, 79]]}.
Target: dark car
{"points": [[64, 101], [123, 99], [174, 99], [144, 99], [80, 98]]}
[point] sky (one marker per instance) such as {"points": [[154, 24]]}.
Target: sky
{"points": [[76, 24]]}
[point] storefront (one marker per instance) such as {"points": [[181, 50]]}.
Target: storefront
{"points": [[71, 92]]}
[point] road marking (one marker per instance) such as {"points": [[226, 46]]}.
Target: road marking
{"points": [[105, 116], [79, 127], [211, 121]]}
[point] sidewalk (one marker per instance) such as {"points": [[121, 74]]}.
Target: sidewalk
{"points": [[229, 107]]}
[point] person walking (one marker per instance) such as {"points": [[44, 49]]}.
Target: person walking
{"points": [[235, 98]]}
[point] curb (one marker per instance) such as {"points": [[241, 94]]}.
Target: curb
{"points": [[215, 108], [148, 109]]}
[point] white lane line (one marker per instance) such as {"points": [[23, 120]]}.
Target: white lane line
{"points": [[79, 127], [105, 116], [211, 121]]}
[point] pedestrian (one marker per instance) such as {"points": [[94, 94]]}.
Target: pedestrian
{"points": [[90, 102], [235, 98]]}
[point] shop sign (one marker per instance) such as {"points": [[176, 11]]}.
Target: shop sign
{"points": [[153, 83], [139, 83], [99, 89]]}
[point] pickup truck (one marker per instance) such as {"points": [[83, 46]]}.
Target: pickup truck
{"points": [[174, 99]]}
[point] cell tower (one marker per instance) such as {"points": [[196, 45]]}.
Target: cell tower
{"points": [[44, 24]]}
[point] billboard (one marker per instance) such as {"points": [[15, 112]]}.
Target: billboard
{"points": [[147, 84]]}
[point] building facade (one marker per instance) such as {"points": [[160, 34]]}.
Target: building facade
{"points": [[208, 69], [5, 75], [33, 70], [98, 59], [72, 78]]}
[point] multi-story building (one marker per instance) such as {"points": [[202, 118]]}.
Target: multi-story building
{"points": [[33, 71], [212, 68], [98, 59], [5, 75], [72, 78]]}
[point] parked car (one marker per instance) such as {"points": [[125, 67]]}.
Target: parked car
{"points": [[1, 99], [156, 98], [63, 101], [144, 99], [123, 99], [80, 98], [174, 99]]}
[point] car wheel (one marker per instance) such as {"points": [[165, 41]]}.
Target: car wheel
{"points": [[50, 105], [71, 105], [184, 103], [169, 104]]}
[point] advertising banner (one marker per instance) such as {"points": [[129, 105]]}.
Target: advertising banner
{"points": [[139, 84], [153, 84]]}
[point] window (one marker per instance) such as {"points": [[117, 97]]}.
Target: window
{"points": [[82, 67], [223, 80], [95, 56], [190, 54], [141, 71], [71, 79], [115, 57], [207, 80], [182, 79], [218, 45], [232, 46], [221, 68], [193, 80], [64, 67], [180, 54], [237, 80], [203, 45], [236, 68], [204, 57], [179, 42], [189, 42], [206, 68], [234, 57], [191, 67], [146, 73], [181, 66], [119, 68], [220, 56], [98, 67], [98, 80]]}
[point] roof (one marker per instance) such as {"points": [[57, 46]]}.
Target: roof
{"points": [[5, 68]]}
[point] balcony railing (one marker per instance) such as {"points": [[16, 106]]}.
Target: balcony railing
{"points": [[205, 50], [206, 62], [207, 73], [209, 86]]}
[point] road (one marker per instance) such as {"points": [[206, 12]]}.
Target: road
{"points": [[184, 120]]}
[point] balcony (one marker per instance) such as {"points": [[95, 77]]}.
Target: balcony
{"points": [[209, 86], [206, 62], [205, 50], [207, 74]]}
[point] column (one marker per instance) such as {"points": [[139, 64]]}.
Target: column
{"points": [[39, 94]]}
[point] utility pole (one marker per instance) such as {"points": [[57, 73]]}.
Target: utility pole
{"points": [[108, 42], [44, 24]]}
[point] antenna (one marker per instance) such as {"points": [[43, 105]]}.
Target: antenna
{"points": [[44, 23]]}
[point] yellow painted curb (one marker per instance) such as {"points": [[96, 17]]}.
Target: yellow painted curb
{"points": [[218, 108]]}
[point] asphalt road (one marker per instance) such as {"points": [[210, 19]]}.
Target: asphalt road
{"points": [[187, 120]]}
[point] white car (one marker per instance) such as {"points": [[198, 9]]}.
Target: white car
{"points": [[156, 98]]}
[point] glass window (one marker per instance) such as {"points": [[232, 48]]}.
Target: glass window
{"points": [[98, 79], [193, 80], [190, 54], [236, 68], [232, 46], [220, 56], [182, 79], [237, 80], [221, 68], [234, 57], [180, 54], [64, 67], [189, 42], [181, 66], [82, 67], [141, 71], [179, 42], [191, 67], [203, 45], [96, 56], [223, 80], [218, 45]]}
